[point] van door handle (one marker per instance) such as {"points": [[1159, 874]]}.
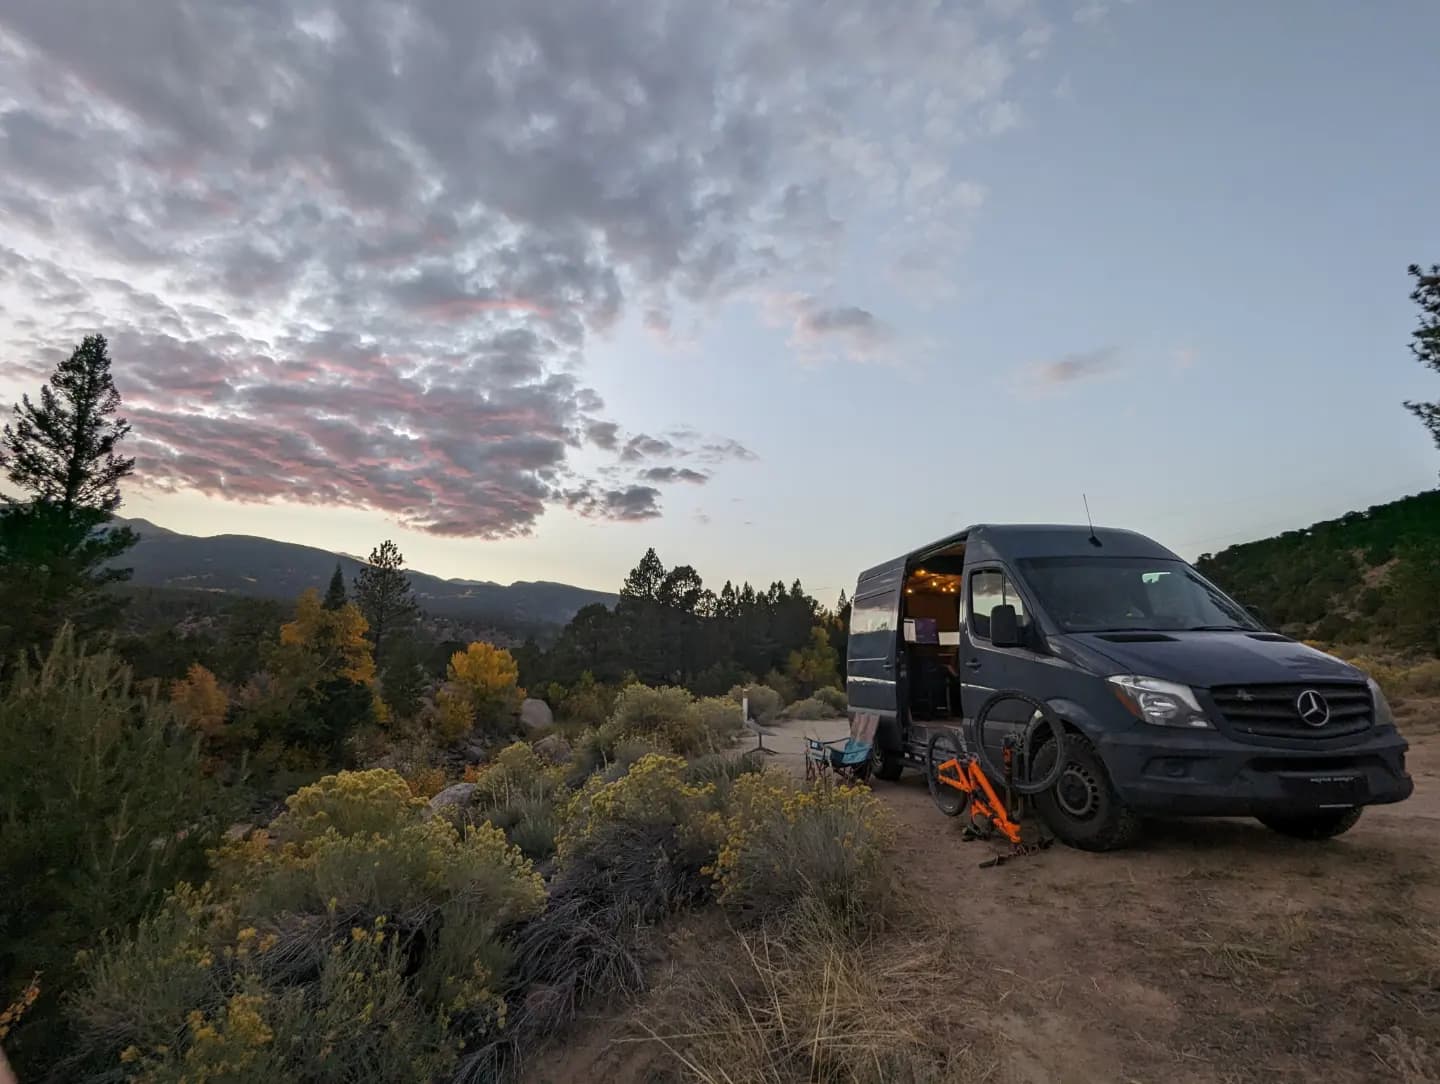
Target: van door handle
{"points": [[887, 666], [972, 664]]}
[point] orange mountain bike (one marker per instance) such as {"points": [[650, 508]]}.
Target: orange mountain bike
{"points": [[962, 781]]}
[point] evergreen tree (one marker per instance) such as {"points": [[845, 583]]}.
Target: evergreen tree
{"points": [[384, 595], [335, 593], [56, 547], [1426, 346]]}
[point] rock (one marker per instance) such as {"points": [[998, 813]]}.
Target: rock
{"points": [[535, 714], [477, 752], [555, 749], [453, 798], [239, 831]]}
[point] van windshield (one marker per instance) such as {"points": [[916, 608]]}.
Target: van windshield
{"points": [[1125, 594]]}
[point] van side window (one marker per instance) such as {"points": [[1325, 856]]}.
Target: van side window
{"points": [[990, 588], [873, 613]]}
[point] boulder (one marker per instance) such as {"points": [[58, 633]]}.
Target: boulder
{"points": [[453, 798], [536, 714], [555, 749]]}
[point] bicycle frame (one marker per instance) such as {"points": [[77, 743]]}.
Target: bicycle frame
{"points": [[964, 774]]}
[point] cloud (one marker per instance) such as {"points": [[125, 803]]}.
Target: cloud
{"points": [[356, 252], [664, 475], [641, 446], [819, 331], [631, 503], [1043, 376]]}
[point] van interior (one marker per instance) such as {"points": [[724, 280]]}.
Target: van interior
{"points": [[930, 634]]}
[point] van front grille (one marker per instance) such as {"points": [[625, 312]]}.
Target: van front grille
{"points": [[1313, 712]]}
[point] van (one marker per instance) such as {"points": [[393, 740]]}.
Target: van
{"points": [[1175, 699]]}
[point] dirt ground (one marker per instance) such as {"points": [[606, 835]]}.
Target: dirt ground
{"points": [[1214, 951]]}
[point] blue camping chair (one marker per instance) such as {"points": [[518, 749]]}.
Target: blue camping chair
{"points": [[847, 757]]}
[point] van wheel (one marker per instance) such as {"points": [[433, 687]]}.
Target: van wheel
{"points": [[886, 764], [1313, 826], [1082, 809]]}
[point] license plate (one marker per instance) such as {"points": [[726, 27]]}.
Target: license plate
{"points": [[1326, 790]]}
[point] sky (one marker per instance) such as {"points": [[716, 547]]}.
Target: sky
{"points": [[782, 288]]}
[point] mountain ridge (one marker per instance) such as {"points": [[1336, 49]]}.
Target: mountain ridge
{"points": [[241, 564]]}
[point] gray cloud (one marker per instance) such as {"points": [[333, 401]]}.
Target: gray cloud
{"points": [[355, 252], [642, 446], [630, 503], [664, 475]]}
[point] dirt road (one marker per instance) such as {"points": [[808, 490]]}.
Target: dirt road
{"points": [[1216, 950]]}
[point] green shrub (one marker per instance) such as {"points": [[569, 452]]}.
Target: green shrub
{"points": [[811, 708], [665, 716], [354, 909], [720, 719], [102, 807], [785, 686], [765, 703], [786, 843], [834, 699]]}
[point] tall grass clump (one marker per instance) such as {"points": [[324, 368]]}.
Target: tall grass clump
{"points": [[632, 851]]}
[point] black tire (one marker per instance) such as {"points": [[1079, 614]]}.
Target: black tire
{"points": [[942, 746], [1322, 824], [1083, 809], [885, 764]]}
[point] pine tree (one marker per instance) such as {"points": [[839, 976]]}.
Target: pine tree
{"points": [[1426, 346], [384, 595], [335, 593], [55, 546], [63, 451]]}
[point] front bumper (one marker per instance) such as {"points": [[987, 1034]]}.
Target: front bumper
{"points": [[1209, 774]]}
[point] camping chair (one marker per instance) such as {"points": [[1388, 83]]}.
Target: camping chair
{"points": [[846, 757]]}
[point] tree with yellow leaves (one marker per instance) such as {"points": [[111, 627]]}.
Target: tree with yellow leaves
{"points": [[481, 689], [320, 681], [199, 701], [333, 641]]}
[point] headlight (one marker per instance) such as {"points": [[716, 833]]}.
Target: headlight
{"points": [[1160, 703], [1383, 715]]}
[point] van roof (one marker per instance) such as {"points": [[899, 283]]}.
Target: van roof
{"points": [[1010, 541]]}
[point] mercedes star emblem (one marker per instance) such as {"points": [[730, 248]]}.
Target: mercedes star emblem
{"points": [[1313, 709]]}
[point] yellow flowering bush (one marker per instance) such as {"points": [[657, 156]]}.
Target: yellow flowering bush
{"points": [[652, 792], [785, 842], [352, 803], [357, 938]]}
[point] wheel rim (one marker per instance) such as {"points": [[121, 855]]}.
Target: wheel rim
{"points": [[1078, 793]]}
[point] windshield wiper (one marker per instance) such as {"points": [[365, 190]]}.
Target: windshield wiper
{"points": [[1217, 628]]}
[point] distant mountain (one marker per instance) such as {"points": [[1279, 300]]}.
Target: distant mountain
{"points": [[1367, 576], [245, 565]]}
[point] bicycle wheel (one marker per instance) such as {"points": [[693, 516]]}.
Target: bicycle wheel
{"points": [[944, 745]]}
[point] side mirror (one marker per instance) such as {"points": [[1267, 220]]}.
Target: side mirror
{"points": [[1004, 627]]}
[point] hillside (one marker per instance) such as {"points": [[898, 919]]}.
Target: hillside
{"points": [[262, 567], [1371, 576]]}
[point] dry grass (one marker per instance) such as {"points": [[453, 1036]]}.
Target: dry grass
{"points": [[797, 1001], [1408, 1059]]}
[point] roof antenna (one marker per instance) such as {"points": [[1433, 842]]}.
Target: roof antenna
{"points": [[1093, 540]]}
